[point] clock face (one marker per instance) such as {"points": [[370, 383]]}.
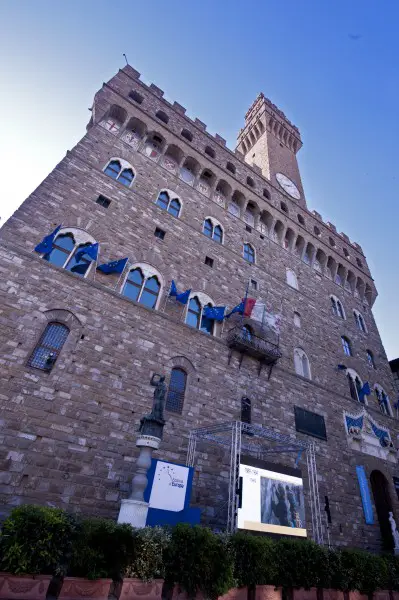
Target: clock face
{"points": [[288, 185]]}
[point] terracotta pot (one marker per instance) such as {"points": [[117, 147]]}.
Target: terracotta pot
{"points": [[23, 587], [356, 595], [302, 594], [394, 595], [74, 588], [333, 595], [267, 592], [382, 595], [235, 594], [135, 589]]}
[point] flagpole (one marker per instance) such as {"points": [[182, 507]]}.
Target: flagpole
{"points": [[166, 297], [120, 276], [96, 262]]}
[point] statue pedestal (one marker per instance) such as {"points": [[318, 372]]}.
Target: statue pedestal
{"points": [[134, 510]]}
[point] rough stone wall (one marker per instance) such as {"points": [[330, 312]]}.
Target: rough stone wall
{"points": [[68, 436]]}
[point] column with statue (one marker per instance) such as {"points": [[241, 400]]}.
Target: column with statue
{"points": [[134, 509]]}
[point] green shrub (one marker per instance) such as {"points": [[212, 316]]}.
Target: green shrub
{"points": [[197, 559], [254, 559], [301, 563], [150, 546], [102, 549], [37, 540], [362, 571]]}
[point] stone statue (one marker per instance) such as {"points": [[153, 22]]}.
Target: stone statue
{"points": [[395, 532], [153, 423]]}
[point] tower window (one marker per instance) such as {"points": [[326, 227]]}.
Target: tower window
{"points": [[230, 167], [250, 182], [301, 220], [346, 345], [142, 289], [254, 284], [171, 205], [215, 232], [176, 391], [162, 116], [370, 359], [187, 135], [284, 207], [266, 194], [210, 151], [49, 347], [115, 170]]}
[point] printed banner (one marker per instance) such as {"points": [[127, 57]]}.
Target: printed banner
{"points": [[365, 494]]}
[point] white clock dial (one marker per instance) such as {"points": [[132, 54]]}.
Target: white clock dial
{"points": [[288, 185]]}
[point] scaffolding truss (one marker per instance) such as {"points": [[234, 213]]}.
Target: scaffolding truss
{"points": [[259, 442]]}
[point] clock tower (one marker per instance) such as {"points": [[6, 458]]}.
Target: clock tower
{"points": [[270, 141]]}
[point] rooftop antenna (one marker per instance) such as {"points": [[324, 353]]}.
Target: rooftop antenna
{"points": [[127, 62]]}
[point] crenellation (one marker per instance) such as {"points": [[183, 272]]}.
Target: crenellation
{"points": [[179, 108], [156, 90], [200, 124]]}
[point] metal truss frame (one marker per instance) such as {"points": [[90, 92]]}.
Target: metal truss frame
{"points": [[259, 442]]}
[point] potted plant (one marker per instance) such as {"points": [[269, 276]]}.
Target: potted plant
{"points": [[35, 544], [254, 567], [100, 554], [198, 562], [145, 573]]}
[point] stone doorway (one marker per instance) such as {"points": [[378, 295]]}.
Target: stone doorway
{"points": [[383, 505]]}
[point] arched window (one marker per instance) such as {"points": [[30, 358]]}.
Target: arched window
{"points": [[355, 386], [337, 307], [171, 205], [142, 288], [121, 171], [66, 251], [49, 347], [195, 317], [246, 410], [176, 391], [346, 345], [246, 333], [383, 400], [301, 363], [370, 358], [248, 253], [360, 321], [215, 232], [292, 279], [297, 319]]}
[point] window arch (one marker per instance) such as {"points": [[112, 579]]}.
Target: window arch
{"points": [[176, 390], [143, 284], [162, 116], [49, 346], [115, 119], [120, 170], [297, 319], [292, 279], [169, 202], [194, 315], [346, 345], [383, 400], [213, 230], [355, 386], [64, 253], [301, 363], [337, 307], [361, 325], [249, 253], [370, 358]]}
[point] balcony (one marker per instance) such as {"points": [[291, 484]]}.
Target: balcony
{"points": [[245, 341]]}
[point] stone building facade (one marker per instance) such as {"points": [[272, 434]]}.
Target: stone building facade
{"points": [[78, 350]]}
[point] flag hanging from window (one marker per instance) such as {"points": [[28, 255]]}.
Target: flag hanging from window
{"points": [[80, 268], [180, 297], [215, 313], [364, 391], [273, 321], [237, 309], [91, 251], [116, 266], [46, 245]]}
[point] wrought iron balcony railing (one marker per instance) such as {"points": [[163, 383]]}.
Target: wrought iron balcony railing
{"points": [[241, 338]]}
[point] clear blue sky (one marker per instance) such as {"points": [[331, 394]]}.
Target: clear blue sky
{"points": [[331, 66]]}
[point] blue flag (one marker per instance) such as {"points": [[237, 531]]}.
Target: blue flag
{"points": [[91, 251], [183, 297], [116, 266], [237, 309], [364, 391], [215, 313], [46, 245]]}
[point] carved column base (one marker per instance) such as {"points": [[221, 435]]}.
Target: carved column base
{"points": [[133, 512]]}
